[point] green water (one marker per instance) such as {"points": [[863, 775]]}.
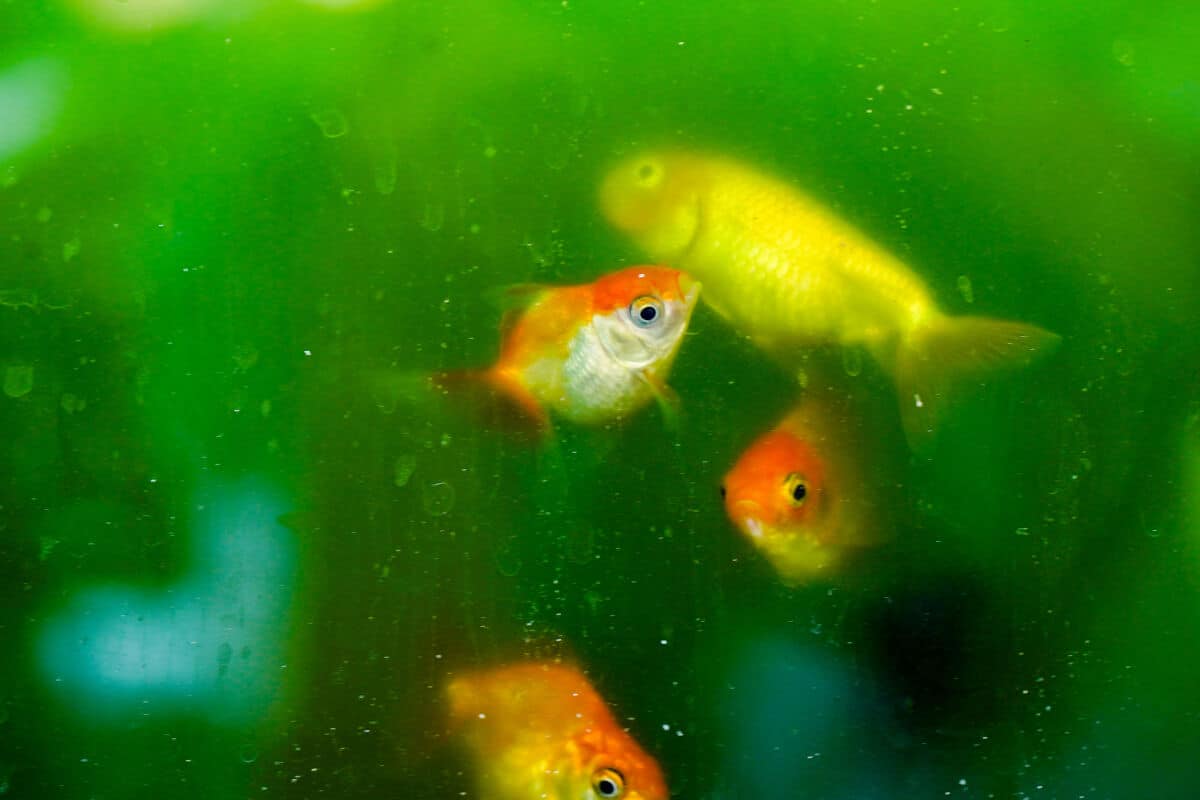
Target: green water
{"points": [[226, 228]]}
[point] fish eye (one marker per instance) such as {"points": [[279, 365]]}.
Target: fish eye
{"points": [[608, 782], [796, 487], [648, 173], [646, 311]]}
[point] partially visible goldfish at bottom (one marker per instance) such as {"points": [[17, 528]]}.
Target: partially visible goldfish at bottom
{"points": [[540, 730], [813, 490]]}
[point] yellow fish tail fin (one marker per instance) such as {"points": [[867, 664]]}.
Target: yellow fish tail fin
{"points": [[942, 357]]}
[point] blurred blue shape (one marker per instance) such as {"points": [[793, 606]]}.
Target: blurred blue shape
{"points": [[31, 95], [213, 644], [803, 724]]}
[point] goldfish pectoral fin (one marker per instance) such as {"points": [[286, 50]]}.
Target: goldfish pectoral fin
{"points": [[667, 400], [941, 357]]}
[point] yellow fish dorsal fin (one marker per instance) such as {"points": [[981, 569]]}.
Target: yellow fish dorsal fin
{"points": [[937, 360]]}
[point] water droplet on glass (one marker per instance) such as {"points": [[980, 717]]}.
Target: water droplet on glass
{"points": [[438, 498], [964, 288], [332, 123], [18, 380], [71, 248], [385, 171], [508, 557], [403, 469], [1123, 52], [72, 403], [433, 217], [852, 361], [580, 545]]}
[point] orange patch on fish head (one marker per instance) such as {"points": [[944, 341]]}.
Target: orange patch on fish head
{"points": [[654, 198], [621, 288], [776, 488], [641, 313]]}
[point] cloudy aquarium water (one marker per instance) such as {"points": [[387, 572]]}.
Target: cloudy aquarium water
{"points": [[574, 399]]}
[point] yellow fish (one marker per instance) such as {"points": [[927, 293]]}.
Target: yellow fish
{"points": [[787, 271]]}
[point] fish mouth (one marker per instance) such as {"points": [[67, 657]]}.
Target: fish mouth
{"points": [[746, 514]]}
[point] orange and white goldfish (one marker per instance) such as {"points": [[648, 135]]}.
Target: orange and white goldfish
{"points": [[808, 492], [596, 352], [786, 271], [539, 730]]}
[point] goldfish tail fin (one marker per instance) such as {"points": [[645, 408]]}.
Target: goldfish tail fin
{"points": [[941, 358], [395, 389], [497, 399]]}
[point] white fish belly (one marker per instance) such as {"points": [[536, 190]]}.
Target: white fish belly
{"points": [[597, 387]]}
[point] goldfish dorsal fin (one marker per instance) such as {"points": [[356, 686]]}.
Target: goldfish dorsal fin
{"points": [[513, 300]]}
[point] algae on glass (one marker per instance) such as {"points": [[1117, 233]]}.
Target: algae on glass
{"points": [[245, 557]]}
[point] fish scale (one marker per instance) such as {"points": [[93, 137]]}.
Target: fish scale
{"points": [[595, 386]]}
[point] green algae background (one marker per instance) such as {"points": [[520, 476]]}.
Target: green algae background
{"points": [[231, 233]]}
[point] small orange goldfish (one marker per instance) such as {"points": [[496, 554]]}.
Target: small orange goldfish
{"points": [[596, 352], [539, 730], [800, 493], [786, 271]]}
